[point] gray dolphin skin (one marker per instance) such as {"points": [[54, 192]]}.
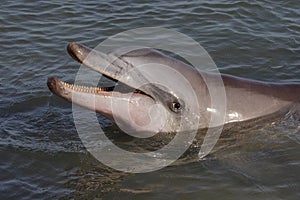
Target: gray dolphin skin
{"points": [[150, 105]]}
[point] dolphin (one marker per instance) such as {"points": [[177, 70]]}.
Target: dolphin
{"points": [[153, 108]]}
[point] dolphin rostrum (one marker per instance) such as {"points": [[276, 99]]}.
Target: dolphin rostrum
{"points": [[157, 107]]}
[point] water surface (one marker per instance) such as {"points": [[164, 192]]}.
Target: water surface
{"points": [[41, 153]]}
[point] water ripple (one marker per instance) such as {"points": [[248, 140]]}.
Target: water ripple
{"points": [[39, 143]]}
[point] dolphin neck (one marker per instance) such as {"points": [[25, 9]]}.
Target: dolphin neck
{"points": [[249, 99]]}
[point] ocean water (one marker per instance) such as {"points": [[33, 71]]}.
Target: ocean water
{"points": [[41, 154]]}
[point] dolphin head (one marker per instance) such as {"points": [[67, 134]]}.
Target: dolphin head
{"points": [[163, 91]]}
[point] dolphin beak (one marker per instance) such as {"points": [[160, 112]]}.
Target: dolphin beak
{"points": [[116, 68], [110, 102], [90, 96]]}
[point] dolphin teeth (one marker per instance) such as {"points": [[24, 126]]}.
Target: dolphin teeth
{"points": [[86, 89]]}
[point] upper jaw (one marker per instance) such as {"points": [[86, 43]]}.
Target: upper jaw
{"points": [[110, 65], [96, 61], [123, 66]]}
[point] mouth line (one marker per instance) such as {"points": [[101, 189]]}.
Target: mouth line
{"points": [[54, 83]]}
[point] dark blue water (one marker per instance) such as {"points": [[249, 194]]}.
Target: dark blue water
{"points": [[41, 154]]}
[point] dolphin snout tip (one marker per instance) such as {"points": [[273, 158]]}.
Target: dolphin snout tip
{"points": [[51, 83], [71, 46], [77, 51], [56, 86]]}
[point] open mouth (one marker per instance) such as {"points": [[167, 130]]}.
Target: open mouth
{"points": [[54, 82], [80, 53], [56, 85], [122, 67]]}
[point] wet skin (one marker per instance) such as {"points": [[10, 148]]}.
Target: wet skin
{"points": [[156, 108]]}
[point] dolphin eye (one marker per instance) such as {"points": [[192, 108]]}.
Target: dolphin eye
{"points": [[176, 106]]}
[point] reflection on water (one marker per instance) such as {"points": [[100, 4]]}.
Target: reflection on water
{"points": [[41, 153]]}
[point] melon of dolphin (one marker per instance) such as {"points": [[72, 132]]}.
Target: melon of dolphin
{"points": [[155, 108]]}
